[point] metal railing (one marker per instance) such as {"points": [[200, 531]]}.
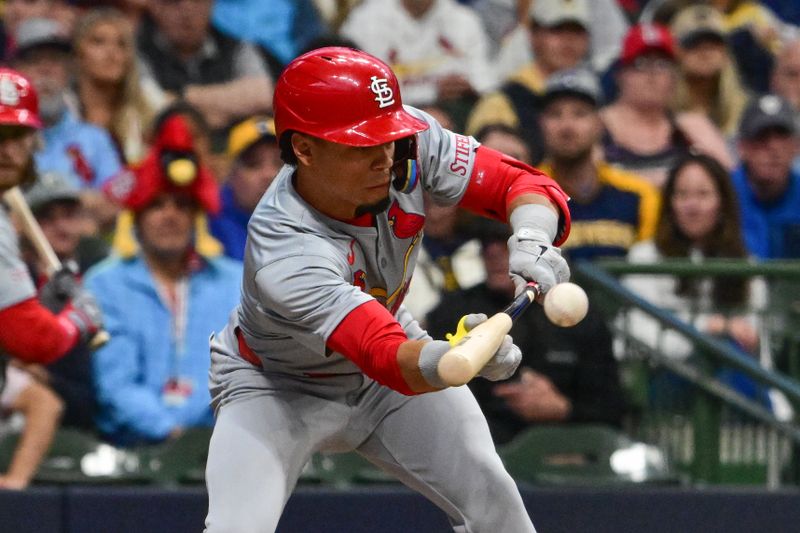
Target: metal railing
{"points": [[719, 435]]}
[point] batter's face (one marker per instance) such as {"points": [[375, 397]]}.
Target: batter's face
{"points": [[16, 149], [343, 181]]}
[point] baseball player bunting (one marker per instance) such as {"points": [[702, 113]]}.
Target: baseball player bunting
{"points": [[335, 361]]}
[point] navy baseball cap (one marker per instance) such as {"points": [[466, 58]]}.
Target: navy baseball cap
{"points": [[578, 82], [765, 112]]}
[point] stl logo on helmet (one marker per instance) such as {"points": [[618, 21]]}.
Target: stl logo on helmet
{"points": [[384, 94], [9, 93]]}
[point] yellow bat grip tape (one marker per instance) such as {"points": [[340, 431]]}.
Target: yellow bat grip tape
{"points": [[461, 331]]}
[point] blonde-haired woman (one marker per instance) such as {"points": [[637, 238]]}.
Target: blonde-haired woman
{"points": [[110, 92], [709, 82]]}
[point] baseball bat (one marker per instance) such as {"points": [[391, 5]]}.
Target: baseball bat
{"points": [[19, 206], [474, 349]]}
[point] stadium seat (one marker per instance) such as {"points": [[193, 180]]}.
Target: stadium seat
{"points": [[582, 455]]}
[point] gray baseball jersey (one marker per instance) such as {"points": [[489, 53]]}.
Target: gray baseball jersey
{"points": [[304, 272], [16, 284]]}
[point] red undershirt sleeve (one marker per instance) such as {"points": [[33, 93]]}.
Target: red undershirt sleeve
{"points": [[370, 337], [33, 334], [498, 179]]}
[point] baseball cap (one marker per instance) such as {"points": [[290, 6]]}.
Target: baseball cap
{"points": [[170, 167], [764, 112], [50, 187], [551, 13], [579, 82], [40, 32], [248, 132], [695, 23], [644, 38]]}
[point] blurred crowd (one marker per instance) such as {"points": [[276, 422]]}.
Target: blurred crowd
{"points": [[673, 126]]}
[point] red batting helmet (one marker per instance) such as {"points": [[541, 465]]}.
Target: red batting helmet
{"points": [[19, 105], [344, 96]]}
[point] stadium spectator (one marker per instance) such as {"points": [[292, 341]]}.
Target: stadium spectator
{"points": [[82, 152], [700, 219], [17, 11], [110, 92], [438, 48], [57, 208], [785, 78], [226, 79], [754, 35], [281, 27], [559, 37], [41, 408], [611, 209], [567, 375], [448, 260], [708, 82], [641, 133], [767, 187], [507, 140], [163, 300], [253, 147]]}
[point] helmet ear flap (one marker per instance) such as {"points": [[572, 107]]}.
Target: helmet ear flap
{"points": [[405, 170]]}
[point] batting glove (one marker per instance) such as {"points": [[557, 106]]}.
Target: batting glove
{"points": [[533, 258], [84, 313], [502, 365], [505, 360], [59, 289]]}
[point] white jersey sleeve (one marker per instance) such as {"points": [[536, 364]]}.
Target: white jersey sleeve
{"points": [[16, 284]]}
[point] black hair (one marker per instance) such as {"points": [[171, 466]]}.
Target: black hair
{"points": [[285, 145]]}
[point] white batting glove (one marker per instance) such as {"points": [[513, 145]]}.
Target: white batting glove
{"points": [[505, 360], [502, 365], [534, 259]]}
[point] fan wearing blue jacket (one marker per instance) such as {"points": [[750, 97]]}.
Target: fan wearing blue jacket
{"points": [[162, 298]]}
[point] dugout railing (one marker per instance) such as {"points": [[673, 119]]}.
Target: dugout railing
{"points": [[710, 429]]}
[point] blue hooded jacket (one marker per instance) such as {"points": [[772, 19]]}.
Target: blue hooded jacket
{"points": [[134, 369]]}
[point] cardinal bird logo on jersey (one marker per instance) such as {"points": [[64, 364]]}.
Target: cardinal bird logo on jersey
{"points": [[80, 165], [404, 225], [360, 279]]}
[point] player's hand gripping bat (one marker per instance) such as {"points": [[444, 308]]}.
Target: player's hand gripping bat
{"points": [[472, 349], [16, 202]]}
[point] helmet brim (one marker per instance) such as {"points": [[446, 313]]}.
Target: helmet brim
{"points": [[378, 130], [18, 117]]}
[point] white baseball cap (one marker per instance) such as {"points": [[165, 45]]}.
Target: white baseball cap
{"points": [[552, 13]]}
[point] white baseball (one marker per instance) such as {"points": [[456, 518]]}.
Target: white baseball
{"points": [[566, 304]]}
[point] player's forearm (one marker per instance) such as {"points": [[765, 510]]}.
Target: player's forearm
{"points": [[408, 359], [226, 101], [532, 198]]}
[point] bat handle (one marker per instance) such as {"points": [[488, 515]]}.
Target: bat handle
{"points": [[525, 298], [99, 339]]}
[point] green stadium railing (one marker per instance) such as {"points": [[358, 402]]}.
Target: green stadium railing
{"points": [[722, 436]]}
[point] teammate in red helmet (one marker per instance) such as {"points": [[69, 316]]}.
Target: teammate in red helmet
{"points": [[320, 354], [28, 330]]}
